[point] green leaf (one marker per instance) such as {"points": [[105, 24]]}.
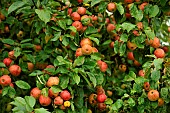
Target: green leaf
{"points": [[164, 92], [94, 2], [158, 63], [131, 102], [11, 92], [79, 61], [122, 49], [92, 78], [120, 8], [102, 7], [116, 46], [62, 24], [41, 110], [117, 105], [56, 89], [15, 6], [155, 75], [2, 64], [163, 2], [26, 40], [141, 100], [130, 77], [27, 45], [108, 101], [30, 58], [128, 26], [147, 64], [76, 78], [150, 34], [43, 14], [94, 39], [22, 84], [138, 14], [64, 80], [72, 28], [30, 101], [8, 41], [17, 52], [91, 30], [153, 11], [36, 73], [124, 37]]}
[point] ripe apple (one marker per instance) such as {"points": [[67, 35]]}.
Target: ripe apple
{"points": [[128, 1], [75, 16], [52, 81], [136, 33], [111, 7], [146, 86], [69, 11], [169, 29], [103, 67], [122, 67], [7, 61], [11, 54], [128, 15], [100, 90], [65, 95], [160, 102], [139, 25], [101, 98], [6, 29], [142, 6], [132, 46], [2, 17], [15, 70], [94, 18], [153, 95], [107, 21], [52, 94], [58, 100], [78, 25], [35, 92], [101, 106], [159, 53], [37, 48], [155, 43], [30, 66], [130, 56], [111, 45], [86, 41], [110, 27], [80, 1], [11, 84], [5, 80], [136, 63], [166, 49], [86, 49], [44, 100], [81, 10], [79, 52], [141, 73]]}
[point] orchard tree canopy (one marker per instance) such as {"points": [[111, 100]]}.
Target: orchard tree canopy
{"points": [[84, 56]]}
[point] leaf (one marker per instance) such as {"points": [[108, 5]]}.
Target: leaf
{"points": [[117, 105], [147, 64], [124, 37], [153, 11], [30, 58], [120, 8], [64, 80], [56, 89], [138, 14], [76, 78], [41, 110], [108, 101], [26, 40], [150, 34], [15, 6], [72, 28], [2, 64], [43, 14], [17, 52], [91, 30], [128, 26], [30, 101], [158, 63], [122, 49], [102, 7], [130, 77], [94, 2], [79, 61], [94, 39], [22, 84], [27, 45], [116, 46], [36, 73], [8, 41], [163, 2], [62, 24], [92, 78], [155, 75], [164, 92], [131, 102]]}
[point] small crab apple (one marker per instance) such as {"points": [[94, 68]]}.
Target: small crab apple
{"points": [[160, 102], [44, 100], [153, 95], [92, 99], [80, 1], [166, 49], [15, 70], [132, 46], [75, 16], [139, 25], [110, 27], [99, 63], [52, 94], [111, 45], [5, 80], [87, 49], [37, 48], [109, 93], [52, 81], [30, 66], [100, 90], [78, 25], [81, 10], [58, 100], [86, 41], [7, 61], [101, 98], [65, 95], [101, 106], [136, 33], [155, 43], [130, 56], [136, 63], [141, 73], [11, 54], [111, 7], [142, 6], [79, 52], [20, 35], [159, 53], [146, 86], [35, 92], [11, 84], [69, 11], [169, 29], [103, 67], [122, 67], [128, 1]]}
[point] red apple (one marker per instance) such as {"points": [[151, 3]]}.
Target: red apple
{"points": [[146, 86], [111, 7], [79, 52], [101, 106], [141, 73], [78, 25], [87, 49], [11, 54], [153, 95], [65, 95], [128, 1], [44, 100], [69, 11], [5, 80], [142, 6], [135, 33], [58, 100], [30, 66], [35, 92], [110, 27], [122, 67], [15, 70], [80, 1], [166, 49], [111, 45], [86, 41], [155, 43], [160, 102], [52, 94], [130, 56], [94, 50], [136, 63], [139, 25], [81, 10], [75, 16], [159, 53], [101, 98], [7, 61], [132, 46], [103, 67], [52, 81], [37, 48]]}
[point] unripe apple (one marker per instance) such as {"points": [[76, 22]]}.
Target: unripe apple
{"points": [[153, 95], [15, 70], [65, 95], [58, 100], [101, 98], [86, 49], [44, 100], [7, 61], [92, 99], [35, 92], [146, 86], [141, 73], [78, 25], [79, 52], [5, 80], [52, 81], [75, 16], [81, 10], [111, 7], [132, 46], [86, 41], [52, 94], [159, 53], [130, 56]]}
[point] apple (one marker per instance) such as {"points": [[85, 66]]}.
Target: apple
{"points": [[44, 100], [62, 107], [81, 10], [87, 49], [52, 94], [155, 43], [132, 46], [75, 16], [69, 11], [101, 98], [92, 99], [94, 50], [110, 27], [169, 29], [79, 52], [2, 17], [58, 100], [159, 53], [15, 70], [65, 95], [30, 66], [94, 18], [35, 92], [135, 33], [111, 45], [80, 1], [136, 63], [78, 25], [166, 49], [109, 93], [146, 86], [7, 61], [160, 102], [37, 48], [128, 1], [139, 25], [6, 29], [11, 54], [5, 80], [107, 21], [153, 95], [101, 106], [11, 84], [20, 35], [111, 7], [128, 15], [86, 41], [142, 6], [103, 67], [100, 90], [130, 56], [122, 67], [141, 73], [52, 81]]}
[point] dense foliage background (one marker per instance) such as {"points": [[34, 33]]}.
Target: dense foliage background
{"points": [[108, 56]]}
